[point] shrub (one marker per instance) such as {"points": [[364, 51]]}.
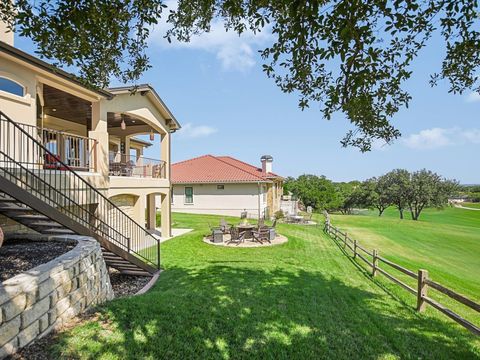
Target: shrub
{"points": [[279, 215]]}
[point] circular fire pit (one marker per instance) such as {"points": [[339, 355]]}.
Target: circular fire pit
{"points": [[247, 243]]}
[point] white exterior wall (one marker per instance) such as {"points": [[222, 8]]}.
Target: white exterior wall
{"points": [[230, 201]]}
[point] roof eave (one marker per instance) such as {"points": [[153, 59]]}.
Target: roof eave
{"points": [[32, 60], [148, 88]]}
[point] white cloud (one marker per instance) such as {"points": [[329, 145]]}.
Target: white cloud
{"points": [[473, 97], [190, 131], [472, 135], [429, 139], [233, 51], [442, 137]]}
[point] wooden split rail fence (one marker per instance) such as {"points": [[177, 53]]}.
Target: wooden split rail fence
{"points": [[424, 283]]}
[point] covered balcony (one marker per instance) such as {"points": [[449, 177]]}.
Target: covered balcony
{"points": [[126, 149]]}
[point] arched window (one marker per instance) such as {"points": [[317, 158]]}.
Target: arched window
{"points": [[11, 87]]}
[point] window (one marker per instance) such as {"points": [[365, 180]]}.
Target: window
{"points": [[188, 195], [11, 87], [220, 187]]}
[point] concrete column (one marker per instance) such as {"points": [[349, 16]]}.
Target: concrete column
{"points": [[166, 213], [165, 155], [139, 210], [151, 212], [126, 140], [99, 132]]}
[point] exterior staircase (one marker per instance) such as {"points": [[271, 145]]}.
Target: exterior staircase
{"points": [[60, 202]]}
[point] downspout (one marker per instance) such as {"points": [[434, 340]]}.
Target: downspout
{"points": [[258, 185]]}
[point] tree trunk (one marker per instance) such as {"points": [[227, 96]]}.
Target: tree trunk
{"points": [[401, 213], [380, 212]]}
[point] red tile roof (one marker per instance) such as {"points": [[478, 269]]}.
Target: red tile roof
{"points": [[217, 169]]}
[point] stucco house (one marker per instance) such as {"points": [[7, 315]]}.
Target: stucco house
{"points": [[223, 185], [71, 161]]}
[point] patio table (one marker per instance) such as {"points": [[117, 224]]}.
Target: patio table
{"points": [[248, 230]]}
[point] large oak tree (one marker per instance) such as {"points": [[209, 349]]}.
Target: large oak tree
{"points": [[350, 56]]}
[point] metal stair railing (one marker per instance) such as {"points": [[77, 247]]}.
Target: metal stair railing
{"points": [[22, 159]]}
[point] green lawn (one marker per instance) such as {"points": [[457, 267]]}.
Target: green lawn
{"points": [[300, 300], [445, 242], [472, 205]]}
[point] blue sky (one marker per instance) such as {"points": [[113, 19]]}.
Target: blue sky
{"points": [[227, 106]]}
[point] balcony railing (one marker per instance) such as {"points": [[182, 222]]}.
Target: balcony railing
{"points": [[134, 166], [78, 152]]}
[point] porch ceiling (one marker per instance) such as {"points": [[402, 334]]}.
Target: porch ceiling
{"points": [[66, 106], [114, 120]]}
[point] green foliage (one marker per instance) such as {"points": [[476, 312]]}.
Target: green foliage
{"points": [[279, 214], [102, 38], [315, 191], [397, 184], [428, 189], [351, 56]]}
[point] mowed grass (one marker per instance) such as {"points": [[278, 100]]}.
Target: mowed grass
{"points": [[471, 205], [444, 242], [301, 300]]}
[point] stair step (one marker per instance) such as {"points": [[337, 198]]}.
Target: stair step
{"points": [[44, 224], [7, 200], [121, 264], [130, 269], [7, 207], [61, 231], [30, 217], [136, 273]]}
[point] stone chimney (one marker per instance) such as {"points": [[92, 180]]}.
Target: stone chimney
{"points": [[6, 35], [267, 161]]}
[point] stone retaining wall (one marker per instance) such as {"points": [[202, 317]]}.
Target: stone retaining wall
{"points": [[34, 303]]}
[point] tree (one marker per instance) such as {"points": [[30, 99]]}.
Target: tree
{"points": [[398, 184], [345, 199], [428, 189], [352, 56], [102, 38], [373, 193], [315, 191]]}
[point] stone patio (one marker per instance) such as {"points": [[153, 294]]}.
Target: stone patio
{"points": [[279, 239]]}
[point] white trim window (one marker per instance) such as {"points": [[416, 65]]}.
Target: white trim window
{"points": [[188, 195], [11, 87]]}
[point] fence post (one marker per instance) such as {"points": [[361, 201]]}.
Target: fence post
{"points": [[354, 248], [375, 262], [422, 290], [345, 240]]}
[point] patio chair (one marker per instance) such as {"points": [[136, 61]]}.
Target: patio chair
{"points": [[261, 223], [225, 227], [274, 225], [261, 235], [236, 235]]}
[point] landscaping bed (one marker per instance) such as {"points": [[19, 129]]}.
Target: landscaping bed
{"points": [[126, 285], [123, 285], [20, 255]]}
